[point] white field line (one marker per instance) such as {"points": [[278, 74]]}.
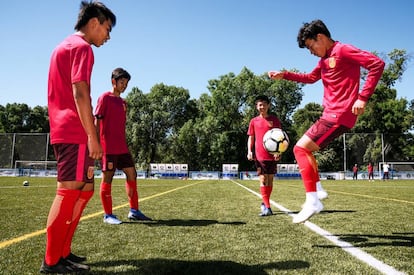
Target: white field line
{"points": [[348, 247]]}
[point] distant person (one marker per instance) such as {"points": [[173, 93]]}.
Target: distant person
{"points": [[73, 134], [370, 169], [110, 121], [339, 68], [264, 161], [386, 169], [355, 171]]}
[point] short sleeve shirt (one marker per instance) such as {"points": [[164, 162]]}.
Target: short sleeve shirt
{"points": [[111, 110], [258, 126], [71, 62]]}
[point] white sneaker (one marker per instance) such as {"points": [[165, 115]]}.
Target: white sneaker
{"points": [[322, 194], [262, 208], [111, 219], [308, 211]]}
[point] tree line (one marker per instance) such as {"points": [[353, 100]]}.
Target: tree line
{"points": [[166, 126]]}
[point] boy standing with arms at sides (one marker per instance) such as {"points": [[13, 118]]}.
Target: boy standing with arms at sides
{"points": [[370, 172], [110, 121], [264, 161], [339, 68], [73, 133]]}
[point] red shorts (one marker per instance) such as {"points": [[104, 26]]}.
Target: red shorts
{"points": [[265, 167], [322, 132], [74, 163], [113, 162]]}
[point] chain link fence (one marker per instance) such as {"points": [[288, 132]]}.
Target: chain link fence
{"points": [[24, 147]]}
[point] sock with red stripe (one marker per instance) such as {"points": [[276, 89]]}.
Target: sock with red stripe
{"points": [[132, 192], [59, 222], [80, 205], [106, 197], [308, 167]]}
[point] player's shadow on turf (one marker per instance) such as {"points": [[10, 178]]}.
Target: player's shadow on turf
{"points": [[191, 222], [370, 240], [169, 266]]}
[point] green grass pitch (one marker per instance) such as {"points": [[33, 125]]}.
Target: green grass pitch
{"points": [[213, 227]]}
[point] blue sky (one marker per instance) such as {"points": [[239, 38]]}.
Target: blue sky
{"points": [[186, 43]]}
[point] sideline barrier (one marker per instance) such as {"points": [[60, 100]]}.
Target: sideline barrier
{"points": [[247, 175]]}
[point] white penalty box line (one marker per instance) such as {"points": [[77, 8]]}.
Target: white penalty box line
{"points": [[348, 247]]}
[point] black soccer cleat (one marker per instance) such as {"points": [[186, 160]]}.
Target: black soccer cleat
{"points": [[63, 267], [75, 259]]}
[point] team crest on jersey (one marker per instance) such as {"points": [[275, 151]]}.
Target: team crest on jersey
{"points": [[332, 62], [90, 172], [110, 165]]}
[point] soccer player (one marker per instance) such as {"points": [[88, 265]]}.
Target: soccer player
{"points": [[386, 169], [73, 134], [355, 171], [370, 172], [339, 68], [110, 121], [264, 161]]}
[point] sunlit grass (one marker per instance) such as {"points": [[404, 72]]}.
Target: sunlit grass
{"points": [[213, 227]]}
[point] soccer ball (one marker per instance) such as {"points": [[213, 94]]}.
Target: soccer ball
{"points": [[276, 141], [25, 183]]}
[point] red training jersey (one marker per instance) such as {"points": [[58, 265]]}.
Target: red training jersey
{"points": [[71, 62], [258, 126], [111, 110], [340, 74]]}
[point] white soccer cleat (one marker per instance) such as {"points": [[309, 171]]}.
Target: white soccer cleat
{"points": [[322, 194], [111, 219], [308, 210]]}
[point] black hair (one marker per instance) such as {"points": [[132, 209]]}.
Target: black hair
{"points": [[311, 30], [262, 98], [92, 9], [120, 73]]}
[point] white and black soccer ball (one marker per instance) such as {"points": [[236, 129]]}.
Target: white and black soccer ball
{"points": [[26, 183], [276, 141]]}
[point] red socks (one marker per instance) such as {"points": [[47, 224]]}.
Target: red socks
{"points": [[106, 197], [59, 223], [132, 192], [266, 191], [308, 167], [80, 205]]}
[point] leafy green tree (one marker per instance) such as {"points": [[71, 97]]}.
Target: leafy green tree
{"points": [[224, 116], [305, 117], [388, 115], [20, 118], [153, 121], [38, 120], [3, 119], [15, 118]]}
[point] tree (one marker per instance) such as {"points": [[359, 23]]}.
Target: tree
{"points": [[388, 115], [20, 118], [224, 116], [153, 121]]}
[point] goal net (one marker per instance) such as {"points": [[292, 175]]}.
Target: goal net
{"points": [[35, 168]]}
